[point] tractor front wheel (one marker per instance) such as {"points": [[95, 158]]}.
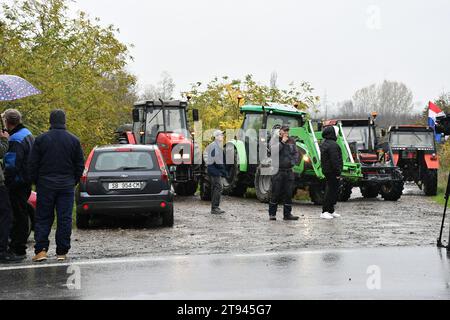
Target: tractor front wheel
{"points": [[263, 186], [370, 192], [233, 184], [205, 188], [317, 193], [345, 192], [430, 183], [392, 191], [186, 189]]}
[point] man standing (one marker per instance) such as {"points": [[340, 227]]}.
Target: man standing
{"points": [[332, 166], [5, 207], [17, 179], [283, 181], [56, 166], [216, 170]]}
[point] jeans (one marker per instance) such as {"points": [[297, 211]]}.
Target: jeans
{"points": [[6, 217], [47, 201], [282, 192], [18, 196], [331, 193], [216, 191]]}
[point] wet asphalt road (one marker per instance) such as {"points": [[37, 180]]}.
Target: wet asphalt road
{"points": [[412, 221], [383, 273]]}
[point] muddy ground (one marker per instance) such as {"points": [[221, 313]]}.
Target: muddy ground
{"points": [[245, 228]]}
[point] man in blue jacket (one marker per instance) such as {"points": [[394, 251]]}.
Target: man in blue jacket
{"points": [[56, 166], [216, 170], [17, 180]]}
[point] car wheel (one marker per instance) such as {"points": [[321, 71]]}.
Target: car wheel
{"points": [[168, 219], [82, 221]]}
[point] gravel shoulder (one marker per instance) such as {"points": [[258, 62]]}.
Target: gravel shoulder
{"points": [[245, 228]]}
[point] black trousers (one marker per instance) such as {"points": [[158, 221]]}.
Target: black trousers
{"points": [[5, 219], [216, 191], [19, 195], [331, 193], [282, 192]]}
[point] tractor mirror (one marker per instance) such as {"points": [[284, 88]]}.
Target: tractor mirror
{"points": [[383, 132], [136, 116], [195, 115]]}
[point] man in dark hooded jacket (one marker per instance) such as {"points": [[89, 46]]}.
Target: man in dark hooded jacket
{"points": [[56, 166], [332, 165]]}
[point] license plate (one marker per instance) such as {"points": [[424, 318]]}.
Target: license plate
{"points": [[125, 185]]}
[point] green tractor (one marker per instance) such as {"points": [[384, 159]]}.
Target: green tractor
{"points": [[248, 167]]}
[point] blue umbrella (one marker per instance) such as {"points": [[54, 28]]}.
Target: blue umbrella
{"points": [[13, 88]]}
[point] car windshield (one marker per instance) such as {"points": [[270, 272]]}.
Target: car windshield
{"points": [[124, 161], [412, 139], [175, 119], [360, 136]]}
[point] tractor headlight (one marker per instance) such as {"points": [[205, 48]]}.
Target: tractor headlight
{"points": [[177, 156], [306, 158], [186, 156]]}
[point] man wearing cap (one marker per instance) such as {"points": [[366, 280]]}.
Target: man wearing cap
{"points": [[17, 179], [5, 207], [284, 179], [216, 170], [56, 166]]}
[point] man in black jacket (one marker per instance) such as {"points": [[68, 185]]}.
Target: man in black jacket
{"points": [[285, 150], [332, 166], [56, 166], [17, 180]]}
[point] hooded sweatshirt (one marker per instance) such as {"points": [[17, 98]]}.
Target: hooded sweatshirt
{"points": [[331, 153], [56, 160]]}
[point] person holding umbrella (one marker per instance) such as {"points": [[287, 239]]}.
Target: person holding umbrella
{"points": [[17, 179], [11, 88]]}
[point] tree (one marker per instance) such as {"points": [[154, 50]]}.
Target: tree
{"points": [[78, 65], [163, 90], [389, 98], [219, 103]]}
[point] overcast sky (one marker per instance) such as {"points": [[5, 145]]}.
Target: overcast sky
{"points": [[338, 46]]}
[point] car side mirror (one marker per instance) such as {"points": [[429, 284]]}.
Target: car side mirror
{"points": [[195, 115], [136, 116]]}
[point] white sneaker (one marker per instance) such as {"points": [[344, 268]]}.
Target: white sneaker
{"points": [[336, 215], [326, 216]]}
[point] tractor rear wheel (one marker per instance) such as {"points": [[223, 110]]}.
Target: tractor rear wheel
{"points": [[233, 184], [392, 191], [205, 188], [370, 192], [263, 186], [317, 193], [430, 183]]}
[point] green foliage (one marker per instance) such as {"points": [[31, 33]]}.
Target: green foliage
{"points": [[220, 101], [78, 65]]}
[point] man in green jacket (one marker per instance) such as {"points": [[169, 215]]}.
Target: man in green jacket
{"points": [[5, 206]]}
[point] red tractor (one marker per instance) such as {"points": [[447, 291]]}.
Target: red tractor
{"points": [[415, 153], [166, 125]]}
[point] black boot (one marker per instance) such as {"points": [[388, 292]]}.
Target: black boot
{"points": [[11, 258]]}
